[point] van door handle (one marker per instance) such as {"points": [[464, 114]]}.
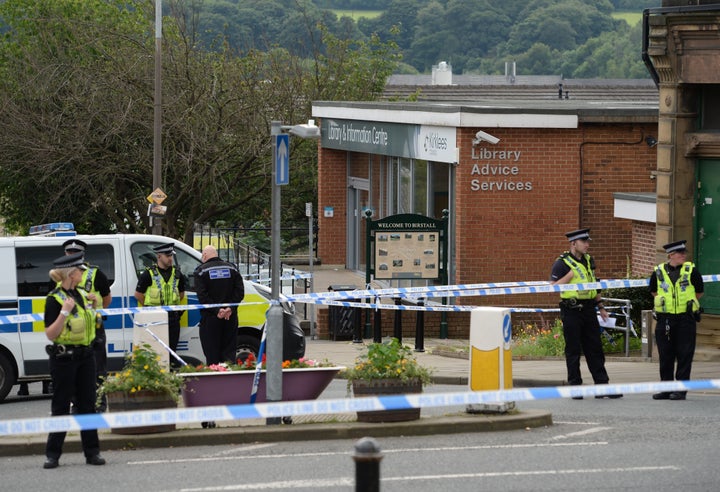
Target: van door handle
{"points": [[702, 233]]}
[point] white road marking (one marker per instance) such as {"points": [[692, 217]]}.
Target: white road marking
{"points": [[349, 482], [585, 432], [385, 451], [240, 449]]}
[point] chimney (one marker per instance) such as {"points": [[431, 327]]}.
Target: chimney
{"points": [[442, 74]]}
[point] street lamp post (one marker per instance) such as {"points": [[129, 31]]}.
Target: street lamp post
{"points": [[157, 120], [274, 325]]}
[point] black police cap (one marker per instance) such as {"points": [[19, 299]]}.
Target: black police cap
{"points": [[676, 246], [578, 234], [74, 245], [76, 260], [166, 249]]}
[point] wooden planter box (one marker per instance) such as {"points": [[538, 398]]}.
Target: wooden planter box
{"points": [[234, 387], [385, 387], [120, 401]]}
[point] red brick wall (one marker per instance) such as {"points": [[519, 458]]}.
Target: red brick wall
{"points": [[511, 235], [332, 192], [643, 250]]}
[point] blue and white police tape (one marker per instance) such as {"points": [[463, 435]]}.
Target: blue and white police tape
{"points": [[263, 278], [336, 297], [487, 289], [189, 415], [9, 319]]}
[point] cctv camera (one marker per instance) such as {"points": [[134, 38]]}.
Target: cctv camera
{"points": [[481, 136]]}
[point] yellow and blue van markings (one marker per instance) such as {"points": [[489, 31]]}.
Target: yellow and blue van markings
{"points": [[252, 314]]}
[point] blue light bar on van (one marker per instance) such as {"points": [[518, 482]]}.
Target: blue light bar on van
{"points": [[53, 229]]}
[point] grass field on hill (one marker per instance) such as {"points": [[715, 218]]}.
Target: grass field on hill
{"points": [[631, 18], [356, 14]]}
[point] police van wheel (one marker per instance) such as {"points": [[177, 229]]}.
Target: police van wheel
{"points": [[246, 345], [7, 376]]}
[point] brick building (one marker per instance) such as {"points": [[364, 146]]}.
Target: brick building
{"points": [[537, 169]]}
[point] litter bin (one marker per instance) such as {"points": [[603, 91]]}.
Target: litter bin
{"points": [[345, 322]]}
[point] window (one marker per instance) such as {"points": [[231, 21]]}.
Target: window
{"points": [[34, 264], [144, 257]]}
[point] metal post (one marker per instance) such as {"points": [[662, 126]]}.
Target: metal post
{"points": [[420, 329], [308, 208], [377, 335], [157, 119], [397, 328], [367, 459], [274, 325]]}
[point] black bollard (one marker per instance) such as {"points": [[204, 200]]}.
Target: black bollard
{"points": [[420, 329], [377, 330], [367, 459], [397, 329]]}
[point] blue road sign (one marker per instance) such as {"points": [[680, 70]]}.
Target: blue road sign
{"points": [[282, 159]]}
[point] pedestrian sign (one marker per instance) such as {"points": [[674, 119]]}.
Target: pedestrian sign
{"points": [[281, 155]]}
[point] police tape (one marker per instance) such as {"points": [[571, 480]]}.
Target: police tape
{"points": [[463, 290], [188, 415], [335, 298], [9, 319], [260, 278]]}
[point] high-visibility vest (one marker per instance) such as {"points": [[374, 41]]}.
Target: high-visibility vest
{"points": [[673, 298], [581, 275], [160, 292], [79, 327]]}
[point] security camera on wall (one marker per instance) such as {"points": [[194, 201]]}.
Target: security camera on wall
{"points": [[481, 136]]}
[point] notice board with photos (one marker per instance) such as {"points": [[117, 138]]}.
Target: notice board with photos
{"points": [[407, 247]]}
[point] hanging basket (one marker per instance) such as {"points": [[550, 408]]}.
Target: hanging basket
{"points": [[385, 387]]}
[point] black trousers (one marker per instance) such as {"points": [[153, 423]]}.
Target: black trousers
{"points": [[581, 330], [675, 336], [174, 329], [100, 354], [74, 379], [218, 337]]}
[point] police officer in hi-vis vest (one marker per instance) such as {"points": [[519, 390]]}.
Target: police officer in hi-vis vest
{"points": [[70, 321], [163, 284], [677, 286], [579, 310], [95, 282]]}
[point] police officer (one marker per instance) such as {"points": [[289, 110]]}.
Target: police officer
{"points": [[218, 282], [677, 286], [163, 284], [581, 328], [95, 282], [70, 322]]}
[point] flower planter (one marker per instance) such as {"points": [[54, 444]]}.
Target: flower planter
{"points": [[120, 401], [234, 387], [385, 387]]}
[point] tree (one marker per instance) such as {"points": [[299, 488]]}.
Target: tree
{"points": [[76, 106], [575, 21]]}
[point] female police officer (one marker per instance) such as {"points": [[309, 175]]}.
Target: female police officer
{"points": [[70, 324]]}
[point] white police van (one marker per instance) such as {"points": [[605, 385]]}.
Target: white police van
{"points": [[26, 261]]}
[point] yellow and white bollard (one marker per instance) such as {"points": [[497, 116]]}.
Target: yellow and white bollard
{"points": [[158, 324], [490, 355]]}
